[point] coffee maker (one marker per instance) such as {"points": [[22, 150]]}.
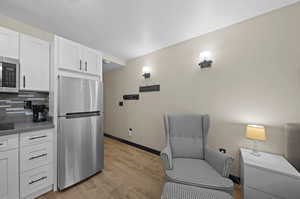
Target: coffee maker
{"points": [[40, 113]]}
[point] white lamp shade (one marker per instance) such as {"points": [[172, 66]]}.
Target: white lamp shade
{"points": [[256, 132]]}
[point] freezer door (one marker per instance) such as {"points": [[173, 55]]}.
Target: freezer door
{"points": [[80, 146], [79, 95]]}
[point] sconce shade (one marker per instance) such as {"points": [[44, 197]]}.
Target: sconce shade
{"points": [[256, 132]]}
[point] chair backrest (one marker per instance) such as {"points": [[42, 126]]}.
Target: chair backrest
{"points": [[292, 148], [187, 135]]}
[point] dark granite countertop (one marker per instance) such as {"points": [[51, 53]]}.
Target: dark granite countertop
{"points": [[33, 126], [8, 132], [26, 126]]}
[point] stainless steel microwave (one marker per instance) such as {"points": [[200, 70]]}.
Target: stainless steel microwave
{"points": [[9, 75]]}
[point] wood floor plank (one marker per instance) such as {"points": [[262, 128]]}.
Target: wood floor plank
{"points": [[129, 173]]}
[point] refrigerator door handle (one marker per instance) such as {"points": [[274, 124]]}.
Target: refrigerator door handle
{"points": [[82, 114]]}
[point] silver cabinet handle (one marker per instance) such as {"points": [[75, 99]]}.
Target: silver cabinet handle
{"points": [[86, 66], [34, 181], [38, 156], [24, 80], [37, 137], [80, 64]]}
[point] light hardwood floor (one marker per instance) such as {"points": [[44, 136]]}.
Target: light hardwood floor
{"points": [[129, 173]]}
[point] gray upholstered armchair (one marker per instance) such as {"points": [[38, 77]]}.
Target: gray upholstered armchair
{"points": [[188, 160]]}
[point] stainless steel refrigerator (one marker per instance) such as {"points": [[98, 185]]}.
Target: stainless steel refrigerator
{"points": [[80, 130]]}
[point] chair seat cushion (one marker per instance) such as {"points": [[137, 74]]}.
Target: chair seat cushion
{"points": [[196, 172], [180, 191]]}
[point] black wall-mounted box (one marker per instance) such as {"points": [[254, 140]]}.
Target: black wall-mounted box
{"points": [[131, 97], [152, 88]]}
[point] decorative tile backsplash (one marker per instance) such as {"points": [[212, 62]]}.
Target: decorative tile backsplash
{"points": [[16, 106]]}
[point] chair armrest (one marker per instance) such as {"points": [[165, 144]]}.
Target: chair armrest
{"points": [[219, 161], [166, 156]]}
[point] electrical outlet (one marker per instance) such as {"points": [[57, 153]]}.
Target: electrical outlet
{"points": [[130, 132], [222, 150]]}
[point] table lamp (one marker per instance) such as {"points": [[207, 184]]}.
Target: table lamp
{"points": [[255, 133]]}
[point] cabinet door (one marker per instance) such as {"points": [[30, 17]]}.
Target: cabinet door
{"points": [[9, 177], [35, 156], [9, 43], [34, 63], [69, 55], [35, 180], [91, 64]]}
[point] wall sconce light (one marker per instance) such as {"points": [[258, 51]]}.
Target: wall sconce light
{"points": [[205, 58], [146, 72]]}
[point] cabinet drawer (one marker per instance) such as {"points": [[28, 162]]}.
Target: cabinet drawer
{"points": [[9, 142], [36, 137], [253, 194], [271, 182], [36, 156], [35, 180]]}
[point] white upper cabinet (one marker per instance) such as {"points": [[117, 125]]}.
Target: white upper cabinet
{"points": [[91, 61], [69, 55], [75, 57], [34, 64], [9, 43]]}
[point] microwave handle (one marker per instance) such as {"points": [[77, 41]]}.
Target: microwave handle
{"points": [[24, 80]]}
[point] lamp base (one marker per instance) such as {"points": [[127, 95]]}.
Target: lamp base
{"points": [[254, 150]]}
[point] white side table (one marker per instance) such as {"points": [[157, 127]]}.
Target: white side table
{"points": [[268, 176]]}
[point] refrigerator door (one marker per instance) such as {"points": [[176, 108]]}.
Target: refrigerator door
{"points": [[79, 95], [80, 133], [80, 146]]}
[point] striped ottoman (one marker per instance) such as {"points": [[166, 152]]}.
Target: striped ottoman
{"points": [[180, 191]]}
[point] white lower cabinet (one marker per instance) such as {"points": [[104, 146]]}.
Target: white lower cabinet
{"points": [[35, 156], [36, 137], [26, 168], [36, 163], [36, 181], [9, 167]]}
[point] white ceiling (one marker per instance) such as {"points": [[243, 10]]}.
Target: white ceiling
{"points": [[130, 28]]}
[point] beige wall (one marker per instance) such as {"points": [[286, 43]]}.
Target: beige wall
{"points": [[255, 78]]}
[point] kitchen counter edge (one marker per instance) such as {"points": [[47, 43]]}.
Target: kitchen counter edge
{"points": [[27, 127]]}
